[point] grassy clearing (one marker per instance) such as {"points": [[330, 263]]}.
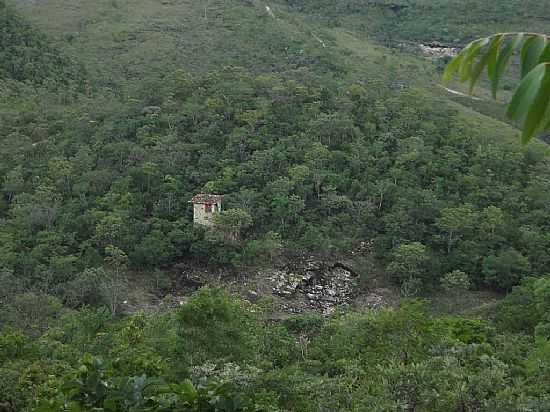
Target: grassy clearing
{"points": [[469, 303]]}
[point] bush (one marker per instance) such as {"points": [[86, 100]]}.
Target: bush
{"points": [[32, 313], [505, 269], [214, 325], [12, 399], [12, 345], [455, 282], [526, 307], [85, 289]]}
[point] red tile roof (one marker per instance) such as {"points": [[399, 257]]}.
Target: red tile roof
{"points": [[206, 199]]}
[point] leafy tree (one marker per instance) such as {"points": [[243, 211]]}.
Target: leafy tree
{"points": [[114, 285], [456, 222], [231, 223], [87, 288], [264, 249], [32, 313], [212, 325], [505, 269], [154, 250], [525, 308], [27, 55], [409, 262], [456, 282], [317, 159]]}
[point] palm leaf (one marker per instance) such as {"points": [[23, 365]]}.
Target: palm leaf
{"points": [[530, 53], [530, 104], [502, 62]]}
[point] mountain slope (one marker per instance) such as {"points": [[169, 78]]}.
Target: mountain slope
{"points": [[324, 138]]}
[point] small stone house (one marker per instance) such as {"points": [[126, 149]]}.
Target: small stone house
{"points": [[205, 206]]}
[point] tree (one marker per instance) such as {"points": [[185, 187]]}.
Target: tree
{"points": [[522, 309], [114, 286], [232, 222], [32, 313], [264, 249], [530, 103], [13, 183], [155, 249], [455, 222], [456, 281], [87, 288], [214, 325], [505, 269], [491, 220], [317, 159], [408, 265]]}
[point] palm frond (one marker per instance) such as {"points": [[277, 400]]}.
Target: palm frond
{"points": [[530, 103]]}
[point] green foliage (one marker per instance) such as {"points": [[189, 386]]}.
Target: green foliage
{"points": [[12, 345], [91, 388], [456, 282], [526, 308], [231, 223], [390, 169], [133, 364], [469, 331], [530, 103], [31, 312], [439, 21], [408, 266], [215, 326], [505, 269], [265, 249]]}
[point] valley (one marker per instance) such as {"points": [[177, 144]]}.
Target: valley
{"points": [[377, 241]]}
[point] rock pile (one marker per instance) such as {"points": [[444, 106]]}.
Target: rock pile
{"points": [[321, 286], [438, 50]]}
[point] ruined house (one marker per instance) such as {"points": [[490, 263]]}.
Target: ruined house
{"points": [[205, 206]]}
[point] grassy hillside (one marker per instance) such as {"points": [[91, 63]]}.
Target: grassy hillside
{"points": [[448, 21], [126, 43], [122, 40]]}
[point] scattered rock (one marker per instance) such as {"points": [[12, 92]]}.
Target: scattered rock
{"points": [[433, 50], [324, 286], [438, 50]]}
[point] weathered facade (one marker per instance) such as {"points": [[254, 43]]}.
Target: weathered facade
{"points": [[205, 206]]}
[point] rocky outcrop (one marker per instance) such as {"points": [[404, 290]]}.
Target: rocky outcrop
{"points": [[438, 50], [320, 286]]}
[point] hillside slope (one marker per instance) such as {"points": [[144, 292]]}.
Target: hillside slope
{"points": [[27, 55], [452, 22], [305, 102], [126, 40]]}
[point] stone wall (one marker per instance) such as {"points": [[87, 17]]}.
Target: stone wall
{"points": [[201, 217]]}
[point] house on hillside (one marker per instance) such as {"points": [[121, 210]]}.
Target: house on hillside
{"points": [[205, 206]]}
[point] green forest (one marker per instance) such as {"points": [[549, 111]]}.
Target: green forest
{"points": [[336, 150]]}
